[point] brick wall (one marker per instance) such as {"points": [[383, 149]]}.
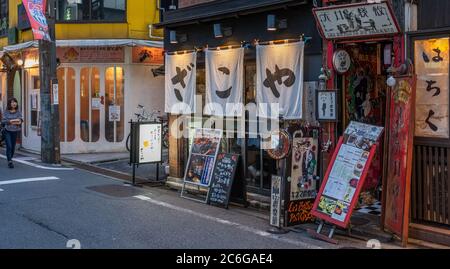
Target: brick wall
{"points": [[187, 3]]}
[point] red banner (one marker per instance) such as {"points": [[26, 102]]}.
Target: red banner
{"points": [[36, 14], [399, 162]]}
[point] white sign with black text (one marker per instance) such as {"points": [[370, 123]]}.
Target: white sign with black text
{"points": [[327, 105], [150, 143]]}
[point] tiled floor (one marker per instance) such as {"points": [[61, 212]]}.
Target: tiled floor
{"points": [[374, 209]]}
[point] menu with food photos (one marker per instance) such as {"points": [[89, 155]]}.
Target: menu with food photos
{"points": [[346, 173]]}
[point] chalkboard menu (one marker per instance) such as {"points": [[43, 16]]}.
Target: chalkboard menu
{"points": [[222, 178]]}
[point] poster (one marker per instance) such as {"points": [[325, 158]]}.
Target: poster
{"points": [[204, 149], [150, 149], [362, 135], [55, 94], [358, 20], [299, 211], [114, 113], [224, 82], [327, 105], [431, 58], [309, 96], [275, 201], [304, 168], [148, 55], [36, 14], [96, 103], [399, 157], [279, 80]]}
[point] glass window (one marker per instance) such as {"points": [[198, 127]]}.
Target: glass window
{"points": [[4, 17], [114, 106], [66, 84], [91, 10], [89, 114]]}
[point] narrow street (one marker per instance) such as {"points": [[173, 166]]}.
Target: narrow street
{"points": [[45, 207]]}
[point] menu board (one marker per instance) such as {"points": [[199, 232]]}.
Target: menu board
{"points": [[346, 173], [222, 179], [150, 143], [202, 157]]}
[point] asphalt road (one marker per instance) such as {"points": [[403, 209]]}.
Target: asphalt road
{"points": [[66, 204]]}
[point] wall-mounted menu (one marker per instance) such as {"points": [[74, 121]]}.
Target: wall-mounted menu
{"points": [[222, 178]]}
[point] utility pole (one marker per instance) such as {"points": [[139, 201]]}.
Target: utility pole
{"points": [[50, 140]]}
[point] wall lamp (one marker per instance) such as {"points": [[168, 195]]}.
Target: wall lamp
{"points": [[177, 38], [220, 31], [274, 24]]}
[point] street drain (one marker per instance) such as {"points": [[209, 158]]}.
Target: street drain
{"points": [[120, 191]]}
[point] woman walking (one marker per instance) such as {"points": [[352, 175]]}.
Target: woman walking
{"points": [[12, 119]]}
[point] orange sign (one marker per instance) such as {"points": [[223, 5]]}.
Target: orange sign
{"points": [[100, 54], [148, 55]]}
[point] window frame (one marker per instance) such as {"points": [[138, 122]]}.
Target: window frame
{"points": [[90, 21], [5, 33]]}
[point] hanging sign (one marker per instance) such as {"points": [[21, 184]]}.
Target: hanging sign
{"points": [[36, 14], [356, 20], [346, 174], [279, 80], [180, 83], [399, 157], [341, 61], [224, 82], [202, 156], [432, 101]]}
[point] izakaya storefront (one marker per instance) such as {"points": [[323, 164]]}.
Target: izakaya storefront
{"points": [[365, 50], [281, 67], [100, 86]]}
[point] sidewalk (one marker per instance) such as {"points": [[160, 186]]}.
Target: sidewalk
{"points": [[116, 164]]}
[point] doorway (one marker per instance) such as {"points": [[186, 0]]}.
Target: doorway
{"points": [[364, 90]]}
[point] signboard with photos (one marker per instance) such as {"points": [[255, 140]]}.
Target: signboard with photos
{"points": [[202, 156], [346, 173]]}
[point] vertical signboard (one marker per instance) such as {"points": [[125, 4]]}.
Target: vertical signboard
{"points": [[399, 157], [275, 201]]}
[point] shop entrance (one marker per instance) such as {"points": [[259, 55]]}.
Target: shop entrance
{"points": [[363, 90]]}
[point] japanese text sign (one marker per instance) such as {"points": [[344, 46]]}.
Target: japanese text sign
{"points": [[356, 20]]}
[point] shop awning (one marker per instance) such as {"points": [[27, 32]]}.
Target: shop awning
{"points": [[354, 21], [88, 43]]}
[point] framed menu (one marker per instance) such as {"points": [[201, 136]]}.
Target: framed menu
{"points": [[346, 174]]}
